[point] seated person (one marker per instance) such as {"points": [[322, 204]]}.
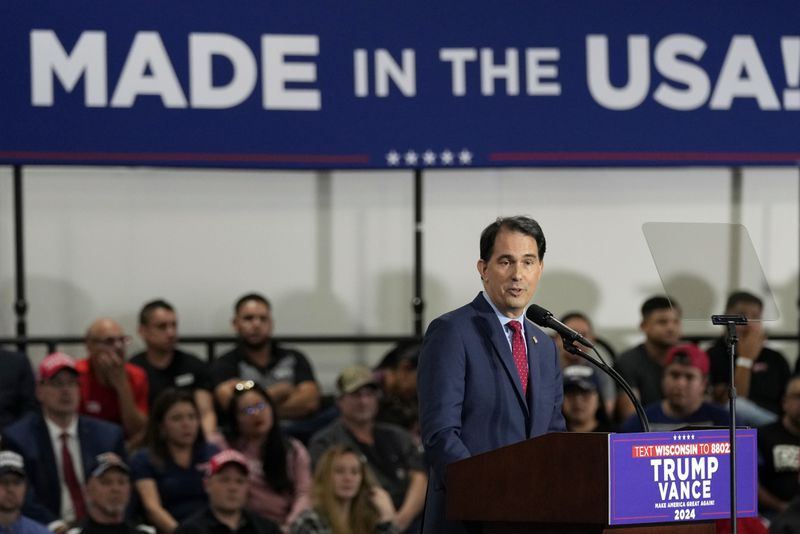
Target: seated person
{"points": [[582, 407], [13, 484], [111, 388], [58, 444], [286, 374], [582, 325], [167, 473], [779, 456], [108, 491], [684, 384], [169, 367], [347, 498], [16, 387], [761, 373], [226, 484], [279, 466], [642, 366], [388, 449], [396, 375]]}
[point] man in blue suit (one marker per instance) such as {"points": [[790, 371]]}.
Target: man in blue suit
{"points": [[58, 445], [484, 382]]}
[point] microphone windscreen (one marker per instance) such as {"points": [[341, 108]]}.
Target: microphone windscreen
{"points": [[538, 315]]}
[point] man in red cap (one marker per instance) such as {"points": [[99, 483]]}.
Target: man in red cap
{"points": [[226, 484], [58, 445], [684, 384]]}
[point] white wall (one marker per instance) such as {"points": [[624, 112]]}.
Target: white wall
{"points": [[334, 251]]}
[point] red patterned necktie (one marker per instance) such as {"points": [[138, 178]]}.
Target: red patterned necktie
{"points": [[518, 350], [71, 479]]}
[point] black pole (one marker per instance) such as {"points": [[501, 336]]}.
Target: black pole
{"points": [[20, 304], [417, 302], [731, 338]]}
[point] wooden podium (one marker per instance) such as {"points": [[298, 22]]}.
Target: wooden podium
{"points": [[557, 483]]}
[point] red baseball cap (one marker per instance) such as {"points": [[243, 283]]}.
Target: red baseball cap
{"points": [[55, 362], [688, 354], [221, 459]]}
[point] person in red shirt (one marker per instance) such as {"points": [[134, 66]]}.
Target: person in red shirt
{"points": [[111, 388]]}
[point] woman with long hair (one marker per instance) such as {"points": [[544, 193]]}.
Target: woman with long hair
{"points": [[168, 472], [347, 498], [280, 466]]}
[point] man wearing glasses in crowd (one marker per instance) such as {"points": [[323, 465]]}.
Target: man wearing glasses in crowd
{"points": [[111, 388]]}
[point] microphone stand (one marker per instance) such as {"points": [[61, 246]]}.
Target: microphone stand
{"points": [[569, 346], [731, 339]]}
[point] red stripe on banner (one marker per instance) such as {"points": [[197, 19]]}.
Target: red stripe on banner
{"points": [[185, 156], [785, 157]]}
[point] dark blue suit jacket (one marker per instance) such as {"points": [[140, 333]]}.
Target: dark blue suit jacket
{"points": [[470, 395], [30, 438]]}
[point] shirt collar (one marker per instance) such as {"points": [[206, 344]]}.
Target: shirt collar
{"points": [[502, 318], [55, 430]]}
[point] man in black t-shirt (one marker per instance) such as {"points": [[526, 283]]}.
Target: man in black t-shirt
{"points": [[643, 365], [168, 367], [779, 455], [286, 374], [761, 373], [389, 450]]}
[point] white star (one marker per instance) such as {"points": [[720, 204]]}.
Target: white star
{"points": [[411, 157], [465, 157], [392, 158], [447, 157], [429, 157]]}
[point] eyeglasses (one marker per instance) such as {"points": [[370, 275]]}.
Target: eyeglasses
{"points": [[111, 341], [254, 409], [244, 385]]}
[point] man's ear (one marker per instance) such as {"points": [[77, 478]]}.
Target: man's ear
{"points": [[482, 269]]}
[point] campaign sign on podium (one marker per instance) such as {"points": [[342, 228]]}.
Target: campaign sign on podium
{"points": [[684, 475]]}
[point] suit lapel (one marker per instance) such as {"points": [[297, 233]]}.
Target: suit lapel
{"points": [[499, 341], [48, 459], [533, 366]]}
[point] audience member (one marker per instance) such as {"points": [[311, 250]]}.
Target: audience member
{"points": [[167, 473], [58, 444], [286, 374], [396, 375], [347, 498], [582, 407], [642, 366], [12, 495], [111, 388], [685, 384], [389, 449], [226, 484], [167, 366], [16, 387], [779, 455], [761, 373], [582, 325], [279, 466], [108, 491]]}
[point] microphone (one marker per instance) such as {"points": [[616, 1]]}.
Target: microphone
{"points": [[542, 317]]}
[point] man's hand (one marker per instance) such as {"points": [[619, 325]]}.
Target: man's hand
{"points": [[110, 368], [751, 341]]}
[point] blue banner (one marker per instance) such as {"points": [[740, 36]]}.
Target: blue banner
{"points": [[663, 477], [413, 84]]}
